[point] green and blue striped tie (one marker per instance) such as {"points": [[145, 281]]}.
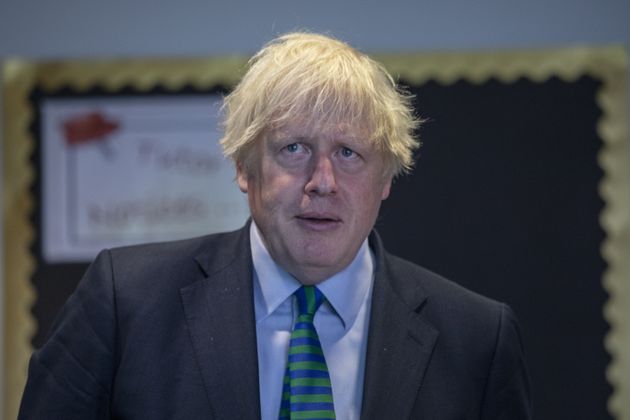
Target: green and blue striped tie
{"points": [[306, 393]]}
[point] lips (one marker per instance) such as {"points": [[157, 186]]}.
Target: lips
{"points": [[318, 221]]}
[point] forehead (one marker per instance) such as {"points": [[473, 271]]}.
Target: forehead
{"points": [[313, 130]]}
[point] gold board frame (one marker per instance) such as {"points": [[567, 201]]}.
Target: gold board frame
{"points": [[608, 64]]}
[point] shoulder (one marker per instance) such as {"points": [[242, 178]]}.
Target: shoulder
{"points": [[478, 353], [438, 288], [443, 301], [174, 252], [172, 263]]}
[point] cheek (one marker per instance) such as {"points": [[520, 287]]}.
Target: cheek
{"points": [[277, 187], [371, 190]]}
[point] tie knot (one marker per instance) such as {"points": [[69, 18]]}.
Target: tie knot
{"points": [[309, 299]]}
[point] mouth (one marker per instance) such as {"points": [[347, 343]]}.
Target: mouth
{"points": [[318, 221]]}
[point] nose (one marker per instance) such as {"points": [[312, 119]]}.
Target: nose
{"points": [[322, 178]]}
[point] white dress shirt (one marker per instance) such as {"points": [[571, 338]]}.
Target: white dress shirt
{"points": [[341, 323]]}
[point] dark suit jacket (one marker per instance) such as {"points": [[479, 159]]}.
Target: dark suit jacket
{"points": [[167, 331]]}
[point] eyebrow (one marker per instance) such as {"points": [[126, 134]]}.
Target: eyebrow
{"points": [[307, 133]]}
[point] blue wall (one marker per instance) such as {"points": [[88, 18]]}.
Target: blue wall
{"points": [[79, 28]]}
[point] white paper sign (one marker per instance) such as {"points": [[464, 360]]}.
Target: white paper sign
{"points": [[126, 170]]}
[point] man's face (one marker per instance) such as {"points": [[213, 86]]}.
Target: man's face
{"points": [[314, 193]]}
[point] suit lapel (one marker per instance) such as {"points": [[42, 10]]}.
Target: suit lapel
{"points": [[220, 317], [400, 343]]}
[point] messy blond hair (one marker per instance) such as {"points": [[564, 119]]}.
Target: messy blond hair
{"points": [[304, 74]]}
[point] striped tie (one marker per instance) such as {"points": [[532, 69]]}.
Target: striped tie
{"points": [[306, 393]]}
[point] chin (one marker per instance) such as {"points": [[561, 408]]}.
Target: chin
{"points": [[321, 262]]}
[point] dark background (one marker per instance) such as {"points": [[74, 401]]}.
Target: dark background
{"points": [[503, 201]]}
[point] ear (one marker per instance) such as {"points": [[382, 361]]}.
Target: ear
{"points": [[387, 186], [241, 177]]}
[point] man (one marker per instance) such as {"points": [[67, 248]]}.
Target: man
{"points": [[215, 327]]}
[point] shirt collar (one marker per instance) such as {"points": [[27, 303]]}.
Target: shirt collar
{"points": [[345, 291]]}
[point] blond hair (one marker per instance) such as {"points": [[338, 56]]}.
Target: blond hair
{"points": [[308, 74]]}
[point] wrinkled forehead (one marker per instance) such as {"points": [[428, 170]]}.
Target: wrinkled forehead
{"points": [[310, 128]]}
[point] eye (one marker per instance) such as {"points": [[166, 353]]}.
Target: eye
{"points": [[292, 148], [293, 152], [348, 153]]}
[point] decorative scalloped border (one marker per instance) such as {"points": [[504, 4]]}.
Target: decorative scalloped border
{"points": [[610, 65]]}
